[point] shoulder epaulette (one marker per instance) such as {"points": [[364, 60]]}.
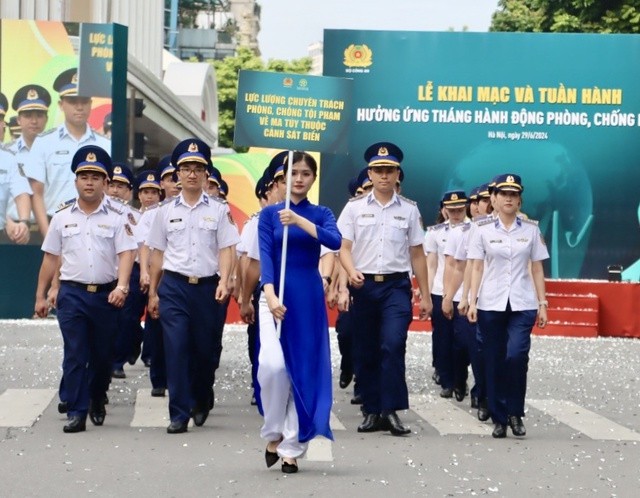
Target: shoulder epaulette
{"points": [[407, 200], [47, 132], [485, 221], [66, 204], [221, 201], [358, 197], [439, 226], [530, 221], [117, 200], [133, 208], [482, 218], [113, 208], [166, 201]]}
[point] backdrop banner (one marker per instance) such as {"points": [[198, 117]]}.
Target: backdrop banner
{"points": [[561, 110]]}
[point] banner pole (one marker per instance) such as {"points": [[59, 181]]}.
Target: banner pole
{"points": [[285, 236]]}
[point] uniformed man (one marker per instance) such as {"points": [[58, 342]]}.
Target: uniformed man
{"points": [[168, 182], [31, 102], [129, 332], [382, 241], [149, 194], [90, 239], [48, 165], [192, 238], [14, 186]]}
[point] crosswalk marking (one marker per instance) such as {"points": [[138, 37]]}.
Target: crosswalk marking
{"points": [[589, 423], [151, 411], [22, 407], [447, 418]]}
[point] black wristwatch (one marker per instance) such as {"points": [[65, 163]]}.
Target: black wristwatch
{"points": [[327, 278]]}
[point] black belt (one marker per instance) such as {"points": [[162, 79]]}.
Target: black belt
{"points": [[385, 277], [192, 280], [91, 287]]}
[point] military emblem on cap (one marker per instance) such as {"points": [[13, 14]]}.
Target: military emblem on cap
{"points": [[91, 158], [454, 197], [151, 178], [74, 78], [383, 154], [510, 179], [193, 147], [117, 170], [32, 94], [31, 98]]}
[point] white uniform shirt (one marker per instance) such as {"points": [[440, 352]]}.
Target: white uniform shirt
{"points": [[434, 242], [249, 233], [506, 255], [455, 239], [89, 243], [49, 162], [191, 237], [381, 235], [12, 183], [21, 151]]}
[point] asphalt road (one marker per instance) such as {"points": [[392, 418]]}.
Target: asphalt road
{"points": [[583, 424]]}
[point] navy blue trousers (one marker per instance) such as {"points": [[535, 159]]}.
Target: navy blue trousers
{"points": [[442, 338], [506, 341], [466, 350], [188, 315], [382, 312], [154, 343], [129, 331], [88, 323]]}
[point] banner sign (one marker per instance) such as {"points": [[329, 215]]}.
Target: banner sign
{"points": [[465, 107], [293, 111]]}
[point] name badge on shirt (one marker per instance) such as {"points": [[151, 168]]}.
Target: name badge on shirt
{"points": [[495, 241], [367, 215], [71, 225], [175, 220], [62, 152], [523, 240], [401, 218]]}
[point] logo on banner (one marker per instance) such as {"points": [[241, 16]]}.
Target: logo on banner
{"points": [[357, 58], [287, 82]]}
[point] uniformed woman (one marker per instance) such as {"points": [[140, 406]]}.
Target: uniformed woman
{"points": [[507, 294]]}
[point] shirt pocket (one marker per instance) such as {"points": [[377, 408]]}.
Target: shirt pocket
{"points": [[208, 229], [177, 234], [104, 237], [72, 238], [366, 227], [398, 230]]}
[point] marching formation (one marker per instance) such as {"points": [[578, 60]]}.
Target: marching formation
{"points": [[179, 258]]}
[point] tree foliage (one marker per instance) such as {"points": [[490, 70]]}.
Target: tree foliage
{"points": [[227, 81], [568, 16]]}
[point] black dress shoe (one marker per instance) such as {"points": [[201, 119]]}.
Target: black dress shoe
{"points": [[63, 407], [356, 400], [147, 362], [133, 357], [499, 431], [435, 377], [75, 424], [460, 393], [177, 427], [106, 399], [483, 412], [446, 393], [212, 399], [119, 374], [392, 423], [474, 402], [157, 392], [200, 417], [371, 423], [289, 468], [346, 377], [517, 427], [97, 412], [270, 457]]}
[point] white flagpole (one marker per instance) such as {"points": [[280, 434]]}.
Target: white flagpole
{"points": [[285, 235]]}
